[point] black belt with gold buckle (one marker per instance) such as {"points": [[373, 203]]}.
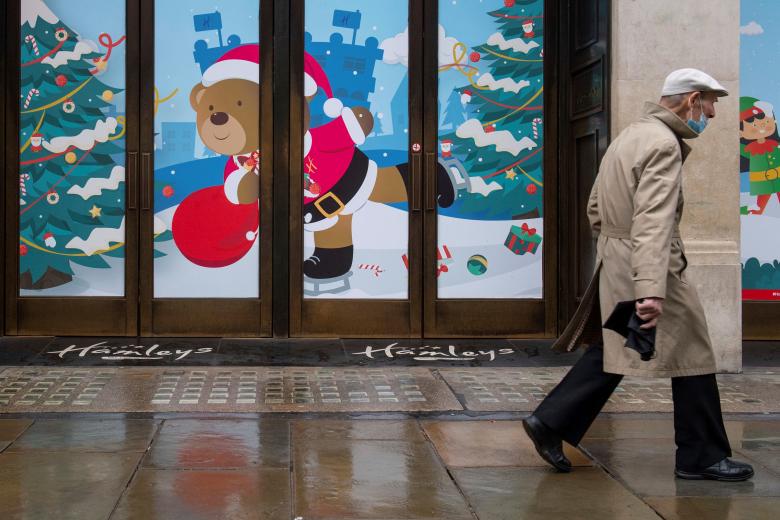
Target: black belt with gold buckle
{"points": [[332, 203]]}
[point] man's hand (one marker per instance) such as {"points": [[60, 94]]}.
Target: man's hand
{"points": [[649, 310]]}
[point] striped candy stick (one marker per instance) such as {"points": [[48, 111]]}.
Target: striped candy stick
{"points": [[31, 40], [30, 94]]}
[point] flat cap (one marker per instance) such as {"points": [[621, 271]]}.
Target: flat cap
{"points": [[682, 81]]}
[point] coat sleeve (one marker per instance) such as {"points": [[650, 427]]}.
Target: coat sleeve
{"points": [[655, 206], [593, 208]]}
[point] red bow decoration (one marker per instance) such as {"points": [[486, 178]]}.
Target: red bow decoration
{"points": [[528, 230]]}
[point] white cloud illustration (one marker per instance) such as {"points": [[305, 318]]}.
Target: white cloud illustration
{"points": [[751, 29]]}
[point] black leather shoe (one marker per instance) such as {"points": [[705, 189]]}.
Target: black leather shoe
{"points": [[726, 470], [547, 443]]}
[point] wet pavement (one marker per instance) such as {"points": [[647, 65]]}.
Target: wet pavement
{"points": [[337, 467]]}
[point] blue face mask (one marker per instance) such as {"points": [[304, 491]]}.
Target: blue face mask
{"points": [[701, 124]]}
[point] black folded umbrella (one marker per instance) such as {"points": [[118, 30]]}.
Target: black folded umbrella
{"points": [[625, 322]]}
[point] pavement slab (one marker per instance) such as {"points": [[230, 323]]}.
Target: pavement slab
{"points": [[10, 429], [253, 493], [542, 494], [88, 435], [64, 485], [715, 508], [209, 389], [490, 444]]}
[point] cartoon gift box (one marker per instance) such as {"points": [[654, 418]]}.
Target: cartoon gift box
{"points": [[522, 240]]}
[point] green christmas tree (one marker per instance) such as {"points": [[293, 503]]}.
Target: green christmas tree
{"points": [[72, 175], [507, 91]]}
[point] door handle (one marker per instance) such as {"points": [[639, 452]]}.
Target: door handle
{"points": [[430, 181], [146, 169], [132, 179], [415, 181]]}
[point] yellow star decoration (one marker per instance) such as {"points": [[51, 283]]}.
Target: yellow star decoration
{"points": [[95, 211], [511, 174]]}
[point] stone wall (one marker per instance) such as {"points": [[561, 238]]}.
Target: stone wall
{"points": [[650, 38]]}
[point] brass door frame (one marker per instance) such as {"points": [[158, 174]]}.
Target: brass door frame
{"points": [[512, 318], [325, 317], [45, 315], [250, 317]]}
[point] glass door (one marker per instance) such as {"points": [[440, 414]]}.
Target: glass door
{"points": [[71, 212], [205, 168], [355, 168], [489, 233]]}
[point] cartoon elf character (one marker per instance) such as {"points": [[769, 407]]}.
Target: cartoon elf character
{"points": [[759, 150]]}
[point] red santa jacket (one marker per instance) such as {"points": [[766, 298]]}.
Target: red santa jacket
{"points": [[330, 150]]}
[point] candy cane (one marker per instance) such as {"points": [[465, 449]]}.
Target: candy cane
{"points": [[376, 269], [536, 122], [31, 39], [23, 177], [33, 92]]}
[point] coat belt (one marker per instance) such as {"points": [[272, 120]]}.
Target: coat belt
{"points": [[608, 230], [768, 175]]}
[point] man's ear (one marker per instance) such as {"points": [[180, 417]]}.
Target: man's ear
{"points": [[196, 95]]}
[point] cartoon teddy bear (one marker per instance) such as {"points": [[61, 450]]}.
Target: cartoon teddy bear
{"points": [[217, 226], [339, 179]]}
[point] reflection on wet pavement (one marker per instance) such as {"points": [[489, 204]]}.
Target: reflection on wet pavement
{"points": [[334, 467]]}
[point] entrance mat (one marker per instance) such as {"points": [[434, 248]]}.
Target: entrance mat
{"points": [[522, 389], [210, 389]]}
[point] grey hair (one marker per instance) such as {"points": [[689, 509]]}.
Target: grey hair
{"points": [[675, 99]]}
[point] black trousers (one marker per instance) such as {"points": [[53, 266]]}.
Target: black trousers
{"points": [[699, 433]]}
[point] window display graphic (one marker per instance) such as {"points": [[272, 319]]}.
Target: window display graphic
{"points": [[207, 149], [72, 148], [759, 151], [355, 171], [491, 120]]}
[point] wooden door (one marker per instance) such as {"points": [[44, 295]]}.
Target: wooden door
{"points": [[490, 251], [355, 168], [584, 98], [206, 163], [70, 168]]}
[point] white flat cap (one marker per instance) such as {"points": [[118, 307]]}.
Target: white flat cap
{"points": [[682, 81]]}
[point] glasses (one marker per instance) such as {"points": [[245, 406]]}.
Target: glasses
{"points": [[758, 116]]}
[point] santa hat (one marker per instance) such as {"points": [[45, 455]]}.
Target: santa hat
{"points": [[242, 62], [314, 78], [528, 22], [445, 141], [467, 92]]}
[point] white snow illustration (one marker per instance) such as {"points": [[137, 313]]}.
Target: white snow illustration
{"points": [[503, 140], [505, 84], [95, 185], [63, 57], [34, 9], [516, 44], [85, 139]]}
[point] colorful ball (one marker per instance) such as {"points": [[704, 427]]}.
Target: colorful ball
{"points": [[70, 157], [167, 191], [477, 265], [531, 189], [475, 56], [68, 106], [108, 95], [61, 34], [509, 3], [61, 80], [22, 250], [52, 197]]}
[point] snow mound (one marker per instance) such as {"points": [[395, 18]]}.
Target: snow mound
{"points": [[34, 9]]}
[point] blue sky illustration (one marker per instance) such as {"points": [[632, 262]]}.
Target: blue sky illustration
{"points": [[760, 53]]}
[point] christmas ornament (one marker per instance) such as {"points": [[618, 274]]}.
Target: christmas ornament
{"points": [[489, 129], [523, 239], [22, 250], [535, 126], [167, 191], [528, 28], [52, 197], [477, 265], [23, 178], [374, 268], [95, 211], [446, 148], [61, 34], [33, 92], [31, 40], [475, 56], [100, 66], [511, 174], [36, 142], [531, 189], [49, 239], [211, 231], [509, 3], [70, 157], [60, 80], [465, 97], [108, 95], [68, 106]]}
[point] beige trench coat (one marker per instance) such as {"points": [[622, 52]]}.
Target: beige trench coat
{"points": [[634, 210]]}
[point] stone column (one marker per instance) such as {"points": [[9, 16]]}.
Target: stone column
{"points": [[650, 38]]}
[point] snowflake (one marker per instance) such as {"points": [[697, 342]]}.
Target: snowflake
{"points": [[384, 154], [381, 88], [327, 52], [380, 115], [354, 73], [374, 28], [480, 159], [173, 172]]}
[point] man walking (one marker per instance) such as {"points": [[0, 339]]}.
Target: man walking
{"points": [[635, 208]]}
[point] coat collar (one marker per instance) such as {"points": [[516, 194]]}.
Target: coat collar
{"points": [[675, 124]]}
